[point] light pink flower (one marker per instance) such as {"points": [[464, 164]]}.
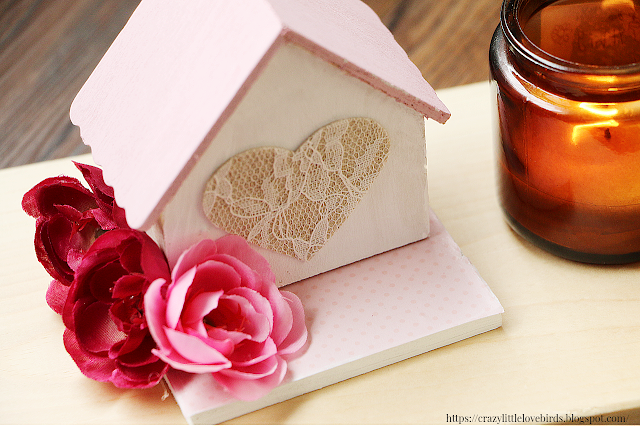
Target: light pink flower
{"points": [[223, 314]]}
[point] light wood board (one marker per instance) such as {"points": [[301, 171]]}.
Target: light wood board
{"points": [[569, 345]]}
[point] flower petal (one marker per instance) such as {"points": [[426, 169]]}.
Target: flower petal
{"points": [[94, 329], [298, 334], [251, 353], [139, 377], [247, 311], [42, 198], [51, 243], [130, 252], [155, 313], [264, 368], [237, 247], [103, 194], [220, 340], [153, 261], [92, 366], [128, 285], [198, 307], [250, 390], [140, 356], [213, 275], [191, 257], [247, 276], [57, 296], [232, 336], [196, 350], [178, 362], [282, 315], [176, 296]]}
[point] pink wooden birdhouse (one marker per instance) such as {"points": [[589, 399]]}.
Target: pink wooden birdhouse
{"points": [[296, 124]]}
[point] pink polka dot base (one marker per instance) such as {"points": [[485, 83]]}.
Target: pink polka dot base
{"points": [[363, 316]]}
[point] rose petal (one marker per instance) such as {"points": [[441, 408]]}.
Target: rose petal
{"points": [[243, 312], [57, 296], [103, 194], [95, 330], [282, 315], [104, 219], [250, 353], [198, 307], [130, 252], [213, 275], [93, 176], [141, 355], [196, 350], [198, 253], [264, 368], [42, 198], [94, 367], [69, 212], [153, 261], [249, 390], [248, 277], [50, 234], [238, 248], [298, 334], [132, 341], [176, 296], [209, 276], [220, 341], [101, 280], [128, 285], [232, 336], [154, 309], [138, 377]]}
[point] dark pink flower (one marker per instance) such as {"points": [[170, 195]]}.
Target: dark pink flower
{"points": [[223, 314], [69, 217], [106, 330]]}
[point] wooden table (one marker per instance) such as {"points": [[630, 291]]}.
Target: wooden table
{"points": [[570, 342]]}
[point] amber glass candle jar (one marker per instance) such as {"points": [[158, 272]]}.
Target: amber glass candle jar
{"points": [[567, 79]]}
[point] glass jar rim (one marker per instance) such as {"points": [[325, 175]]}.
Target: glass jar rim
{"points": [[514, 12]]}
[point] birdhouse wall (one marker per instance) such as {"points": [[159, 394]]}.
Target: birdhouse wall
{"points": [[296, 95]]}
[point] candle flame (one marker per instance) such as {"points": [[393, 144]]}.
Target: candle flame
{"points": [[579, 128]]}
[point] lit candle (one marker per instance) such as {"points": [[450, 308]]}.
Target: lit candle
{"points": [[567, 76]]}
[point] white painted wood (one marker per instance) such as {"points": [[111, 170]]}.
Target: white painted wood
{"points": [[296, 94], [178, 69]]}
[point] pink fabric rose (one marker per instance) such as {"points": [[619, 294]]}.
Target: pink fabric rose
{"points": [[106, 330], [69, 218], [223, 314]]}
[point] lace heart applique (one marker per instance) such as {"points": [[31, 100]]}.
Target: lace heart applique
{"points": [[293, 202]]}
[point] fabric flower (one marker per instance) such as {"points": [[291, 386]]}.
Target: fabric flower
{"points": [[106, 331], [223, 314], [69, 217]]}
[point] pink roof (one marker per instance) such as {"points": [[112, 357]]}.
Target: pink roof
{"points": [[178, 69]]}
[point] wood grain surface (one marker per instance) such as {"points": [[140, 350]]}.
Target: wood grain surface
{"points": [[48, 49]]}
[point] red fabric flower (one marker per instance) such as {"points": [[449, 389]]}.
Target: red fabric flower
{"points": [[107, 334], [223, 314], [69, 218]]}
